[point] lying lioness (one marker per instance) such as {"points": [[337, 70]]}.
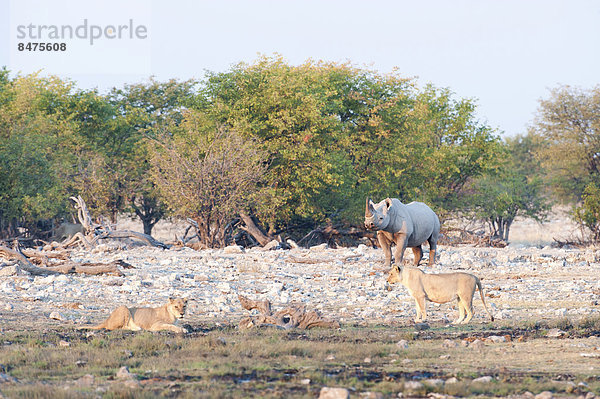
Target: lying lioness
{"points": [[439, 288], [152, 319]]}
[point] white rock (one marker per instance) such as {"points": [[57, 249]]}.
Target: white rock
{"points": [[402, 344], [224, 287], [10, 270], [483, 380], [274, 244], [496, 339], [233, 249], [57, 316], [334, 393]]}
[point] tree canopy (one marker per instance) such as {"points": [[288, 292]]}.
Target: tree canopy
{"points": [[281, 146]]}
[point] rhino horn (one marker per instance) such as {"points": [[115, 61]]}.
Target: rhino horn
{"points": [[368, 212]]}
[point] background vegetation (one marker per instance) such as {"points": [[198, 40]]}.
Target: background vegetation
{"points": [[276, 149]]}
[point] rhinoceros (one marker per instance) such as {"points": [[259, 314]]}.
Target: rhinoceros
{"points": [[407, 225]]}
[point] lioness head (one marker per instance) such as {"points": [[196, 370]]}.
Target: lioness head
{"points": [[176, 306], [394, 276], [376, 215]]}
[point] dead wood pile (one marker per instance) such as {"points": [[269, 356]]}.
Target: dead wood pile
{"points": [[94, 232], [293, 316], [455, 236], [30, 263]]}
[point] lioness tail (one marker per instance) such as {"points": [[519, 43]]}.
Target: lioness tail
{"points": [[482, 297]]}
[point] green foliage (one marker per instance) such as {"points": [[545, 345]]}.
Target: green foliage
{"points": [[568, 124], [315, 139], [515, 190], [35, 131], [587, 214], [207, 173], [335, 134]]}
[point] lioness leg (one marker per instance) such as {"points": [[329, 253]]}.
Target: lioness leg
{"points": [[461, 312], [418, 252], [469, 309], [159, 326], [421, 310], [119, 318]]}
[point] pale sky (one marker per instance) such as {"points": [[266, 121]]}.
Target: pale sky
{"points": [[506, 54]]}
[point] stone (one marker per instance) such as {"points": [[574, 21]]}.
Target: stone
{"points": [[544, 395], [483, 380], [414, 388], [56, 316], [367, 360], [334, 393], [62, 342], [7, 271], [320, 247], [274, 244], [451, 380], [305, 381], [477, 344], [496, 339], [555, 333], [371, 395], [125, 374], [85, 381], [233, 249], [433, 383], [421, 326], [402, 344], [448, 343], [5, 378]]}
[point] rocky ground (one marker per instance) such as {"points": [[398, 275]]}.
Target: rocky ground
{"points": [[347, 285]]}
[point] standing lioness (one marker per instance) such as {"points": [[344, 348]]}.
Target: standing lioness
{"points": [[439, 288], [152, 319]]}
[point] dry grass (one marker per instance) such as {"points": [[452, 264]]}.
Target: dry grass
{"points": [[217, 362]]}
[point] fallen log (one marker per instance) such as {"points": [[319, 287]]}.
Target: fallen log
{"points": [[89, 268], [134, 234], [62, 268], [99, 231], [293, 316], [25, 264]]}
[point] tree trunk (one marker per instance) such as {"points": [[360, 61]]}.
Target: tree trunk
{"points": [[506, 230], [149, 212], [255, 231]]}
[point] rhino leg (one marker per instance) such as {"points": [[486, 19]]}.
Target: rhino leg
{"points": [[387, 249], [432, 250], [418, 252], [400, 248]]}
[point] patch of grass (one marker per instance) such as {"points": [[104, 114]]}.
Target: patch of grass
{"points": [[272, 363]]}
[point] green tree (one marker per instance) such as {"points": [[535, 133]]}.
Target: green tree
{"points": [[568, 124], [113, 165], [284, 108], [335, 134], [515, 190], [208, 173], [587, 214], [35, 144]]}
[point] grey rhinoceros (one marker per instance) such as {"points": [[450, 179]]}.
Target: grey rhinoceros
{"points": [[407, 225]]}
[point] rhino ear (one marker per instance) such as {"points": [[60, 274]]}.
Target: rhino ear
{"points": [[388, 202]]}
